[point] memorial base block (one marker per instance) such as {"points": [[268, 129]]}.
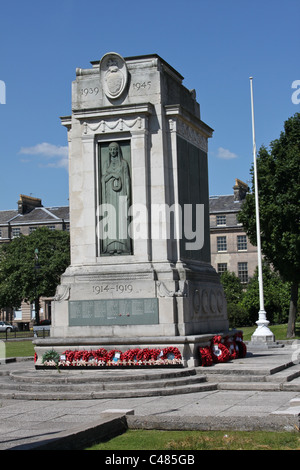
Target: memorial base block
{"points": [[97, 301], [187, 345], [95, 307]]}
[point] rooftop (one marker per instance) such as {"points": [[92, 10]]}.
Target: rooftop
{"points": [[231, 202], [31, 210]]}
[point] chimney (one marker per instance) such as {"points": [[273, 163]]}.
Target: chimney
{"points": [[27, 204], [240, 189]]}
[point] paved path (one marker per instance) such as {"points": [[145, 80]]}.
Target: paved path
{"points": [[26, 424]]}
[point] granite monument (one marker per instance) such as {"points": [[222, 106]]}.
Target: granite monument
{"points": [[140, 272]]}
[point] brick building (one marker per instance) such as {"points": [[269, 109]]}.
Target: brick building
{"points": [[231, 249], [30, 215]]}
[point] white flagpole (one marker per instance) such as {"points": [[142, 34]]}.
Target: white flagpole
{"points": [[262, 332]]}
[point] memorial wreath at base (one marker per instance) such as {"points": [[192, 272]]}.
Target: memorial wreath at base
{"points": [[223, 349], [101, 358]]}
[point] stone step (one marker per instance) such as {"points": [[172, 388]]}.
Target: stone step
{"points": [[220, 378], [99, 376], [295, 402], [286, 375], [234, 369], [70, 384], [92, 384], [259, 386], [108, 394], [226, 370], [32, 385], [291, 387], [234, 376]]}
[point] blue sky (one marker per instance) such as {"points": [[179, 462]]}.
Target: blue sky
{"points": [[215, 44]]}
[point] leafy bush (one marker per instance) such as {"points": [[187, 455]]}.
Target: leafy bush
{"points": [[243, 303], [238, 315], [276, 296]]}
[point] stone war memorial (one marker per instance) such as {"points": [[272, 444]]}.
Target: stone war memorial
{"points": [[140, 276]]}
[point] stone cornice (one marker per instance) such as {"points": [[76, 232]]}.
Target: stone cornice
{"points": [[177, 111], [188, 126], [106, 112]]}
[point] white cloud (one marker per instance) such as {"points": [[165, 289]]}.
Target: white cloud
{"points": [[58, 154], [225, 154]]}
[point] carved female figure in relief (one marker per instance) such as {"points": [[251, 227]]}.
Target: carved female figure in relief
{"points": [[116, 195]]}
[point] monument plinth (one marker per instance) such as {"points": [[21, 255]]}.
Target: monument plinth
{"points": [[140, 268]]}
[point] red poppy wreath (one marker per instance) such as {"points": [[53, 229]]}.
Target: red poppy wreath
{"points": [[232, 347], [240, 344], [205, 356], [131, 355], [114, 356], [219, 351], [171, 353]]}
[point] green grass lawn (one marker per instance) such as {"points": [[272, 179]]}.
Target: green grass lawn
{"points": [[19, 348], [279, 331], [201, 440]]}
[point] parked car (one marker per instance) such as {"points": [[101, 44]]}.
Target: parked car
{"points": [[5, 326]]}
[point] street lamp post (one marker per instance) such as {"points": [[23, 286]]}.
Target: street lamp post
{"points": [[262, 334]]}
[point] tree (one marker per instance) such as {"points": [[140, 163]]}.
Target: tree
{"points": [[233, 289], [31, 266], [278, 172], [232, 286], [276, 296]]}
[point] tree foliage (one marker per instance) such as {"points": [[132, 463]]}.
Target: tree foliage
{"points": [[243, 301], [233, 289], [276, 296], [26, 274], [232, 286], [278, 174]]}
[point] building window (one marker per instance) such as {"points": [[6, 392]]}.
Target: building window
{"points": [[241, 242], [51, 227], [221, 219], [243, 272], [222, 268], [221, 244], [32, 308], [32, 229], [0, 233], [16, 232], [17, 314]]}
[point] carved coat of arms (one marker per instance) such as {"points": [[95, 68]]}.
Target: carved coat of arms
{"points": [[113, 74]]}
